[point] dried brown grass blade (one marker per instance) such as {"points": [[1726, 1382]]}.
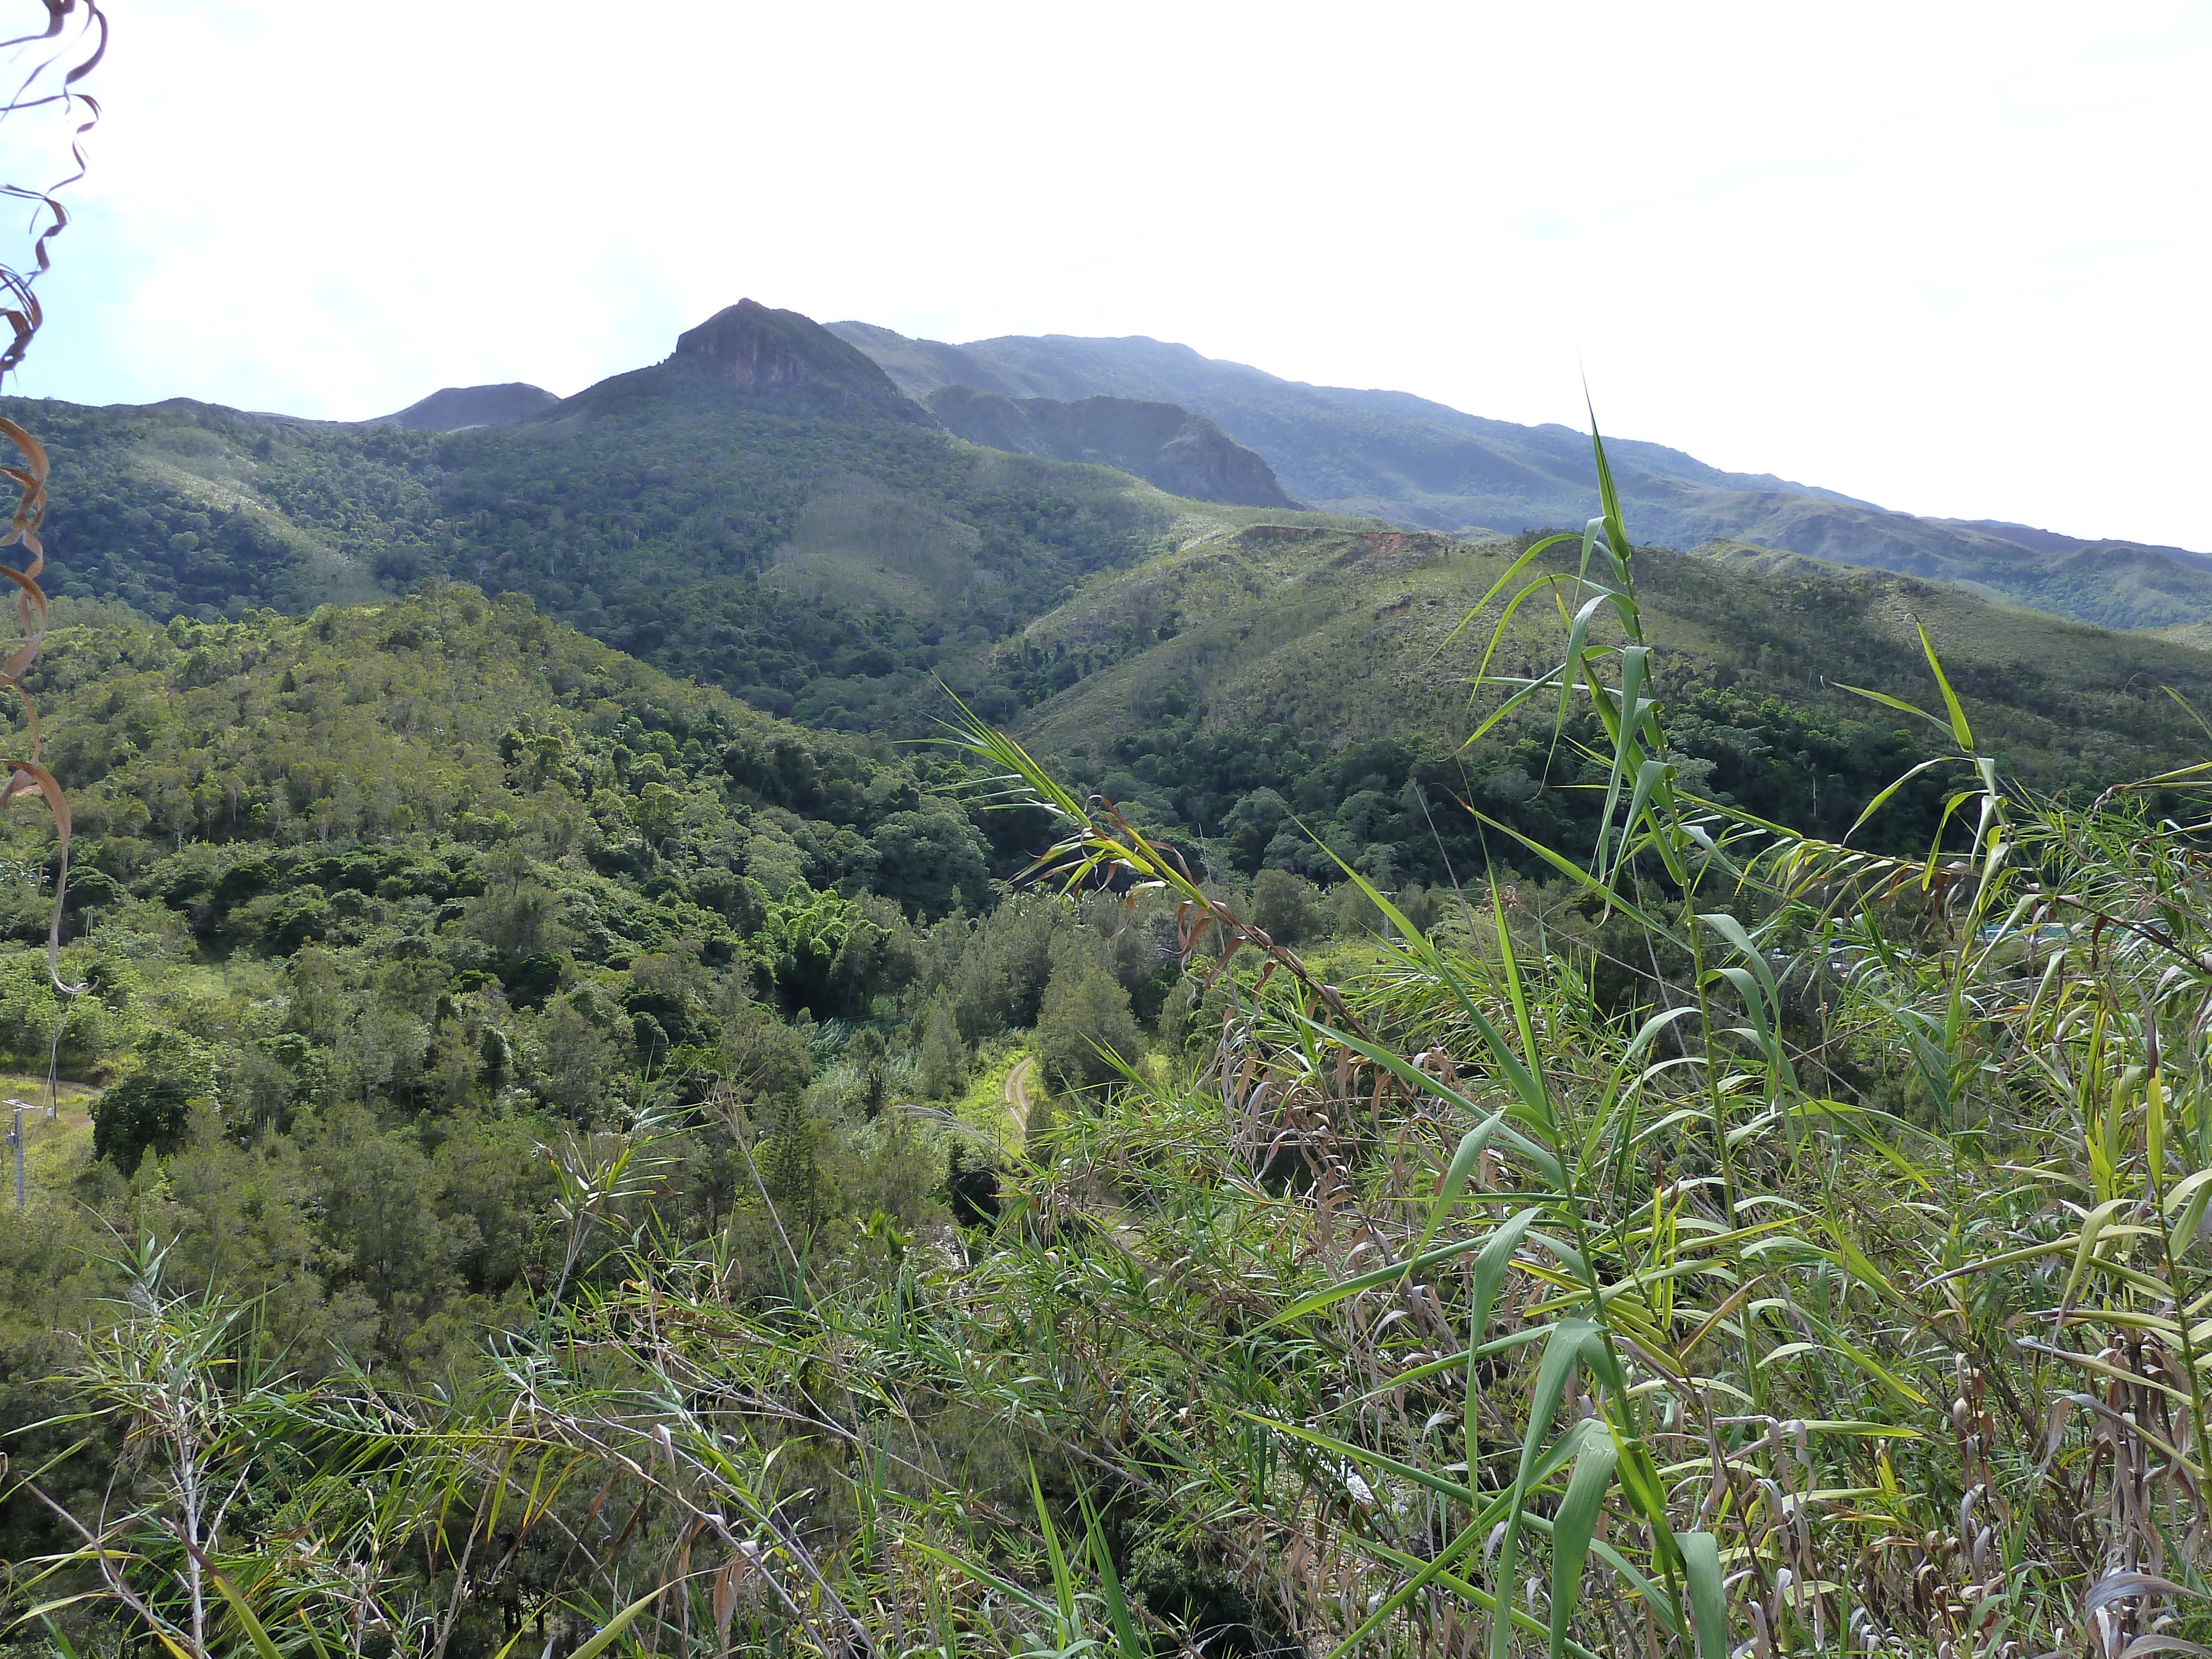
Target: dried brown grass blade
{"points": [[27, 775]]}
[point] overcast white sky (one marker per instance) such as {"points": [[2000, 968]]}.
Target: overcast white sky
{"points": [[1950, 258]]}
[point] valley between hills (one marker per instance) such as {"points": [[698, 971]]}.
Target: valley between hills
{"points": [[771, 512], [984, 981]]}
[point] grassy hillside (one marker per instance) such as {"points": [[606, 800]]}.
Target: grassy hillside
{"points": [[1184, 654], [1422, 465], [767, 513], [1254, 675]]}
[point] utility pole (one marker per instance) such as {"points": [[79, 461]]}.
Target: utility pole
{"points": [[15, 1140]]}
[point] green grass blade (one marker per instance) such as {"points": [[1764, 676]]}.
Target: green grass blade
{"points": [[1429, 1573], [1572, 1525], [1960, 729], [1063, 1581], [1476, 1596], [1563, 1354], [611, 1632], [1701, 1572], [1888, 701], [1882, 799], [1624, 730], [255, 1632], [1367, 1281], [1117, 1606], [1498, 586], [1651, 780], [1535, 1103], [1488, 1275], [1545, 1160], [1583, 879], [1472, 1145]]}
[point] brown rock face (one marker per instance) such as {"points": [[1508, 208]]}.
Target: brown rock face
{"points": [[750, 344], [790, 361]]}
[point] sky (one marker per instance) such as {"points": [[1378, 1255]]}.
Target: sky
{"points": [[1949, 258]]}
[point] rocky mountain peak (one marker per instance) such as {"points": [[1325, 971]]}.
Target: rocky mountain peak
{"points": [[752, 345]]}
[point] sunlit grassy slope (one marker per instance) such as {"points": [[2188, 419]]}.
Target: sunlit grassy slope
{"points": [[1352, 634]]}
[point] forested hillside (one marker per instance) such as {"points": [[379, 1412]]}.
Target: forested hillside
{"points": [[369, 901], [373, 906], [1259, 681], [812, 541]]}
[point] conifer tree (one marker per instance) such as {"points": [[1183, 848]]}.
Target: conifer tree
{"points": [[943, 1057]]}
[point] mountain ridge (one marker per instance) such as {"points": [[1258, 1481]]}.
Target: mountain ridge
{"points": [[1424, 466], [452, 409], [781, 359], [1162, 443]]}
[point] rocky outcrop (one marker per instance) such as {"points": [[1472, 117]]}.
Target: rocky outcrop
{"points": [[1164, 444], [457, 406], [779, 360], [753, 345]]}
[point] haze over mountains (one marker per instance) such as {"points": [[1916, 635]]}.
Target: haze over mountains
{"points": [[1425, 466]]}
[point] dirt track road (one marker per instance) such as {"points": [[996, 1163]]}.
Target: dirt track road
{"points": [[1017, 1092]]}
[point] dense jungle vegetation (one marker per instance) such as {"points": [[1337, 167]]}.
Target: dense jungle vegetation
{"points": [[585, 1164]]}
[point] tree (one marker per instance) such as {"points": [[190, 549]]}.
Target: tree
{"points": [[379, 1205], [943, 1056], [454, 1064], [574, 1059], [264, 1085], [1085, 1009], [927, 859], [318, 1001], [1283, 907], [1252, 824], [800, 943], [870, 1056], [658, 812], [763, 1058], [788, 1167], [521, 921], [142, 1113]]}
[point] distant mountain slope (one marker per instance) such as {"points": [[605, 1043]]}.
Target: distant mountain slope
{"points": [[1329, 445], [1425, 466], [2050, 541], [1183, 453], [459, 406], [920, 367]]}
